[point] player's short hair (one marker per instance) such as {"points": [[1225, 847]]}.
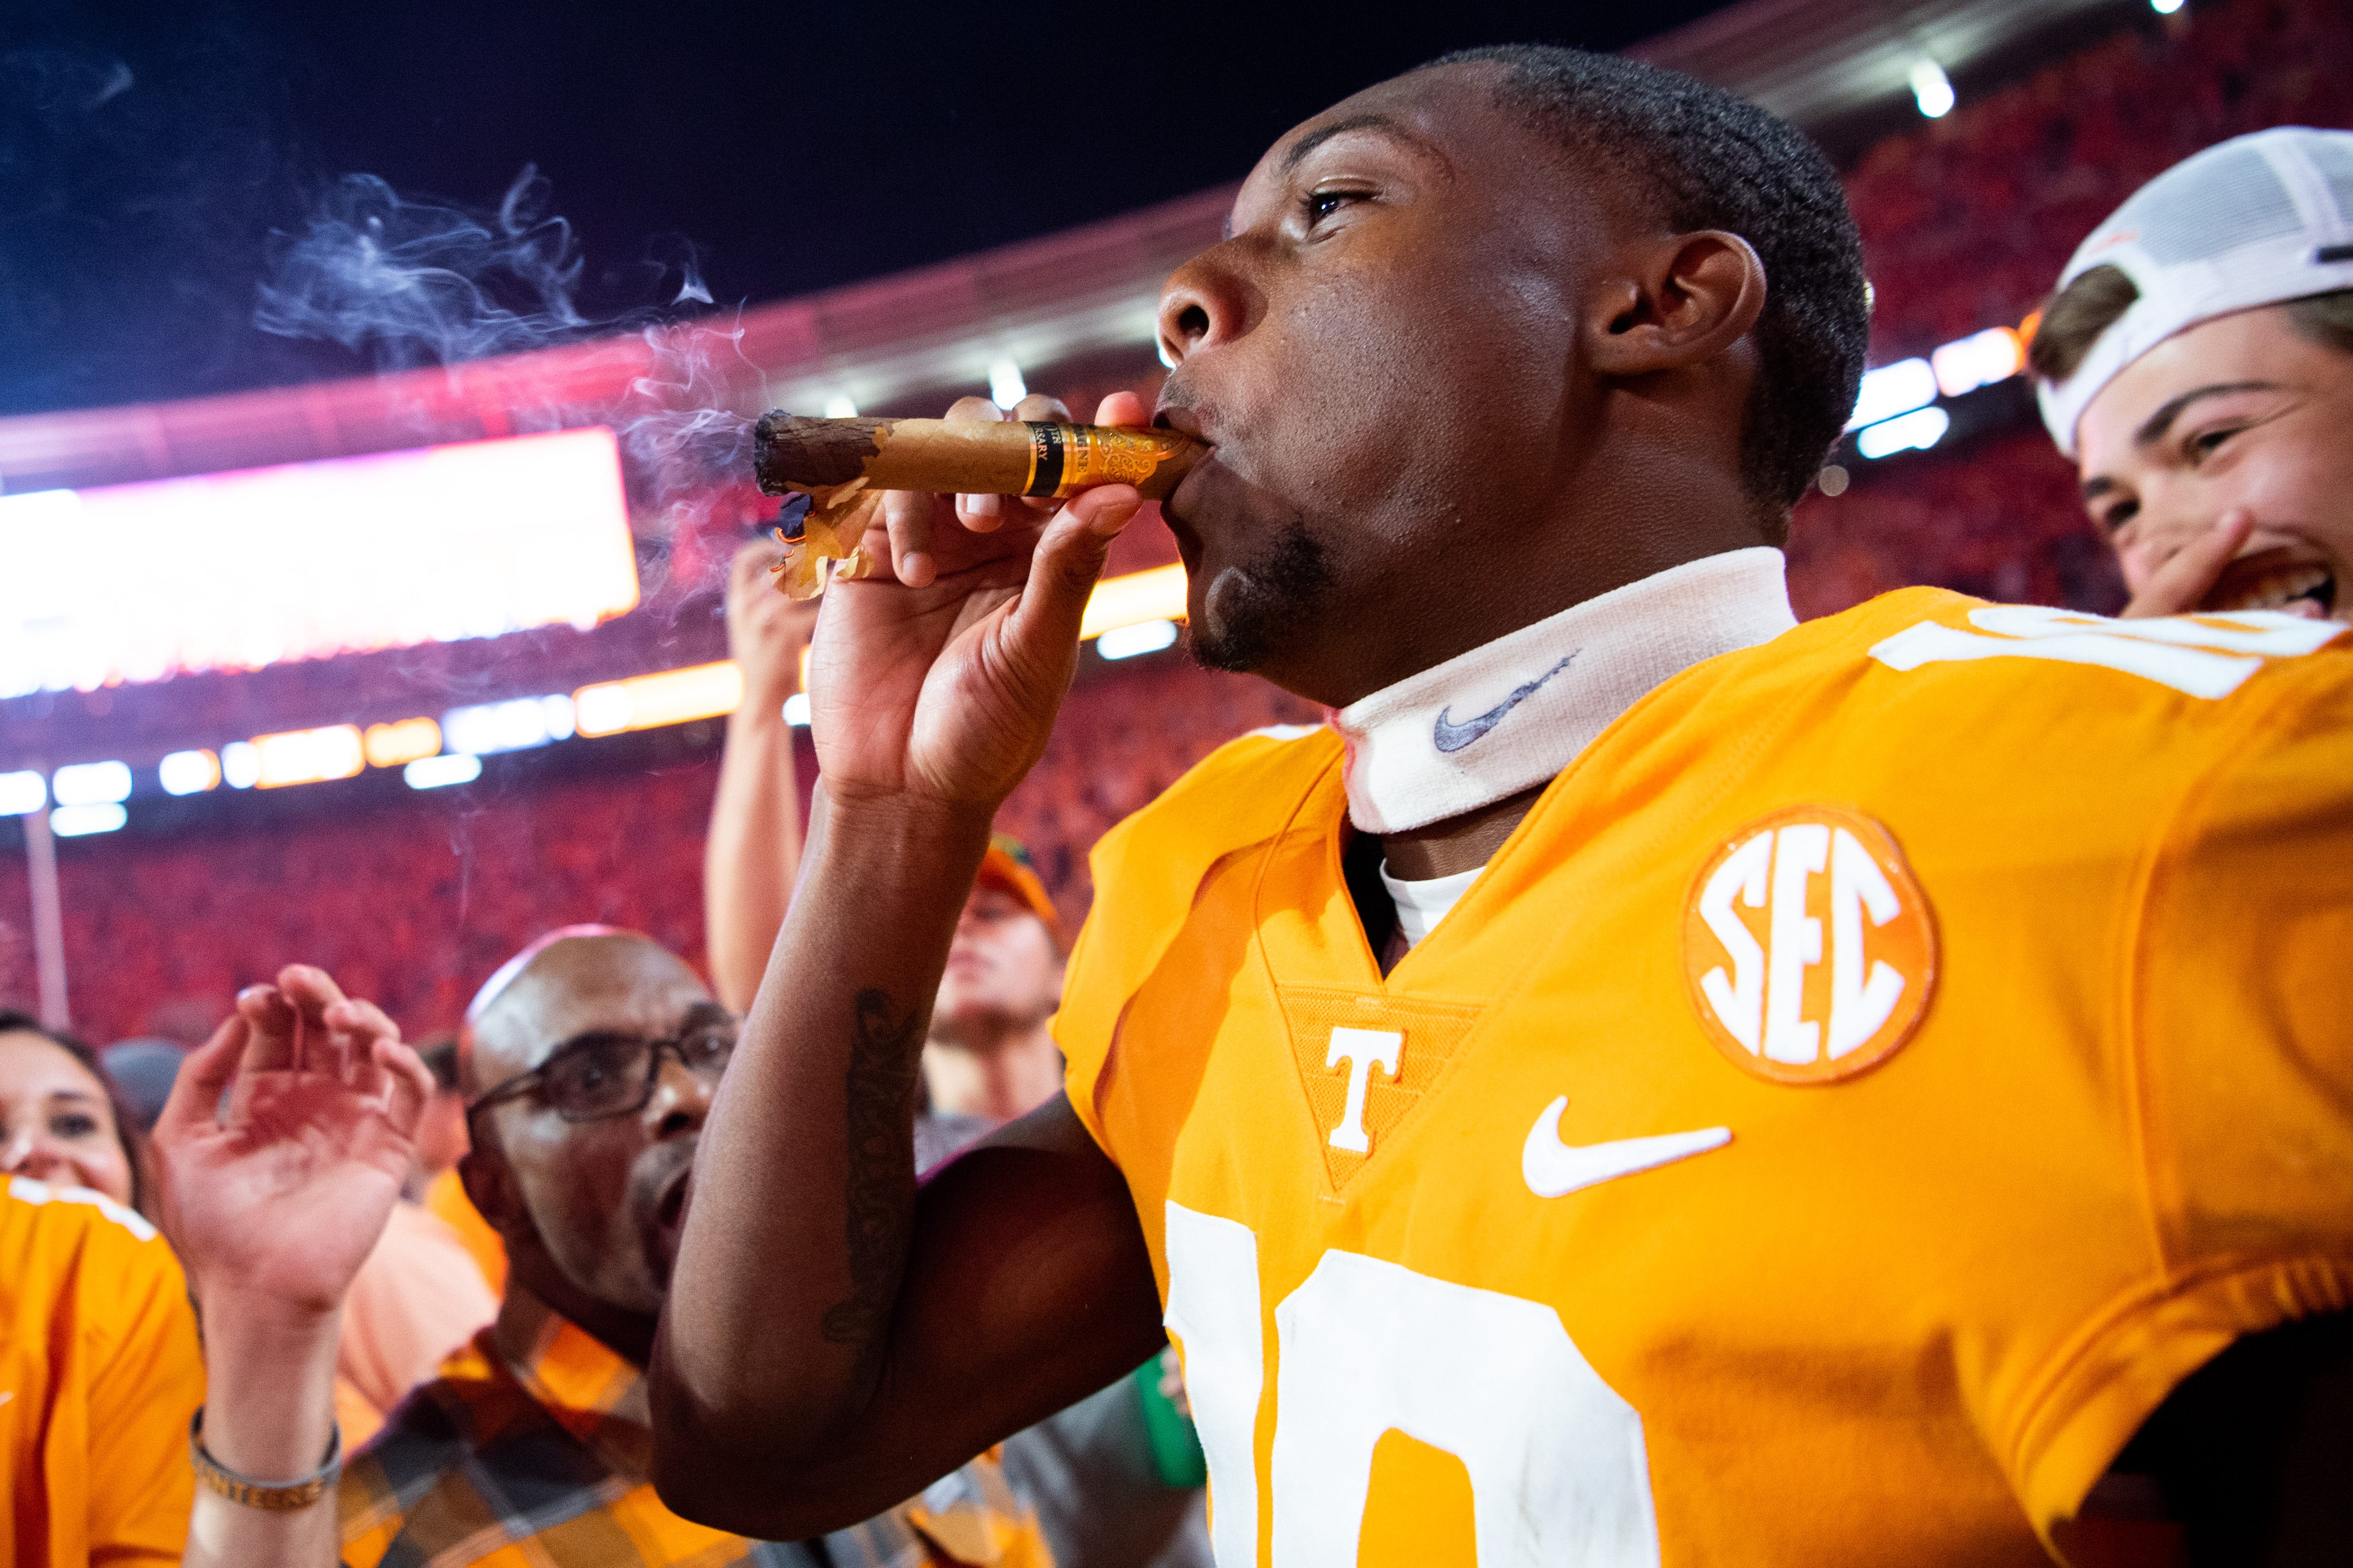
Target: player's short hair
{"points": [[2073, 318], [1710, 161]]}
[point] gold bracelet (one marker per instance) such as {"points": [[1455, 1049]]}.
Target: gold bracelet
{"points": [[276, 1496]]}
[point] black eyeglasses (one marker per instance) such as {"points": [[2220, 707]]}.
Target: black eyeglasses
{"points": [[613, 1075]]}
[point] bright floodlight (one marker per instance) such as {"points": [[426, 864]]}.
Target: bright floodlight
{"points": [[436, 773], [1913, 432], [1005, 386], [2165, 7], [73, 821], [839, 406], [797, 710], [188, 773], [23, 794], [1981, 359], [1932, 89], [1893, 389], [512, 726], [91, 783], [1146, 637], [235, 570]]}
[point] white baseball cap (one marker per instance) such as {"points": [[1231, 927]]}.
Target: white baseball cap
{"points": [[2257, 220]]}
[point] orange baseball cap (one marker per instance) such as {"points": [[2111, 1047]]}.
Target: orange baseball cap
{"points": [[1007, 866]]}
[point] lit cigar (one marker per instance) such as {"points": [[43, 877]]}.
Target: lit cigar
{"points": [[843, 466]]}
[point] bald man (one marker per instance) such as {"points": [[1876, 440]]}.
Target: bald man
{"points": [[590, 1061]]}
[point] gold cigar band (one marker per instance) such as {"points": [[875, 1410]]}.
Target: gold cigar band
{"points": [[1067, 458]]}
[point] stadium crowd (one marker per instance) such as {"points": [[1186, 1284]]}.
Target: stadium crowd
{"points": [[470, 1368]]}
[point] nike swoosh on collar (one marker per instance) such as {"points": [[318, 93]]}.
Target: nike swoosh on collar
{"points": [[1554, 1169], [1448, 736]]}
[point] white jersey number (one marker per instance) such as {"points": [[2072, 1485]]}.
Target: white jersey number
{"points": [[1558, 1473], [2203, 655]]}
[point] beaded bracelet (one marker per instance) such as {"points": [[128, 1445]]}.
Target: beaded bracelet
{"points": [[276, 1496]]}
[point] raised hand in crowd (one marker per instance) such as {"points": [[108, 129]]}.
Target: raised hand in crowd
{"points": [[273, 1196], [753, 850]]}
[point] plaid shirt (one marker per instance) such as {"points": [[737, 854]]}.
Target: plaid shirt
{"points": [[532, 1451]]}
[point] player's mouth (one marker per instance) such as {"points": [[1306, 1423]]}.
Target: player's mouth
{"points": [[2270, 580]]}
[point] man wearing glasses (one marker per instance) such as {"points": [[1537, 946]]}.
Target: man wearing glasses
{"points": [[590, 1060]]}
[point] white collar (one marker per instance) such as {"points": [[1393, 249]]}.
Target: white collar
{"points": [[1511, 713]]}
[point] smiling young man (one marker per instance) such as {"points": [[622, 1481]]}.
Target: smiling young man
{"points": [[2197, 362], [1649, 1082]]}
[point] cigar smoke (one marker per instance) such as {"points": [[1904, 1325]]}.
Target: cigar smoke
{"points": [[414, 282]]}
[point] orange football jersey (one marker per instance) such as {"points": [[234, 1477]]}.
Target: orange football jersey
{"points": [[100, 1374], [1879, 1069]]}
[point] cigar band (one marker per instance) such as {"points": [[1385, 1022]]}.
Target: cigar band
{"points": [[1048, 444]]}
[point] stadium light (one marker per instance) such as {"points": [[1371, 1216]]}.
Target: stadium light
{"points": [[188, 773], [1154, 595], [1144, 637], [306, 756], [1978, 360], [240, 765], [1932, 89], [2165, 7], [92, 784], [390, 745], [77, 821], [1893, 389], [23, 794], [1005, 386], [439, 772], [839, 406], [797, 710], [514, 725], [1913, 432], [648, 702]]}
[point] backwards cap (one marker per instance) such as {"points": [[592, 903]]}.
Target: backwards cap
{"points": [[2257, 220]]}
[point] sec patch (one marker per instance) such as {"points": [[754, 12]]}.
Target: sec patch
{"points": [[1810, 948]]}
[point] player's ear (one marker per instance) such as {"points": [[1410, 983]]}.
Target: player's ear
{"points": [[1676, 301]]}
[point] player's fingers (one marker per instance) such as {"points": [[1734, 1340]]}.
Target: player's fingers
{"points": [[194, 1104], [1122, 408], [979, 513], [1064, 573], [907, 518], [2181, 584]]}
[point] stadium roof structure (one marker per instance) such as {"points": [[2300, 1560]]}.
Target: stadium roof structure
{"points": [[899, 343]]}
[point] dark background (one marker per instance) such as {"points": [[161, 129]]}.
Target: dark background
{"points": [[150, 151]]}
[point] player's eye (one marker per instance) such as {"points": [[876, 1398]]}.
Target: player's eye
{"points": [[73, 1124], [1321, 204], [2116, 516]]}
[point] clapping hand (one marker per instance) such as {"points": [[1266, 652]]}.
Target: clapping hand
{"points": [[275, 1197]]}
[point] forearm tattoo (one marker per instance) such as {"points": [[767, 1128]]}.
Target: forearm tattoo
{"points": [[882, 1090]]}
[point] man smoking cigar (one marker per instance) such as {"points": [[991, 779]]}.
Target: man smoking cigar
{"points": [[1649, 1082]]}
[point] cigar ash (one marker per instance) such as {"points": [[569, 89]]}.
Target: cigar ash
{"points": [[793, 452]]}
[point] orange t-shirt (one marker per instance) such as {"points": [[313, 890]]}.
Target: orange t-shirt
{"points": [[446, 1199], [1878, 1069], [100, 1375]]}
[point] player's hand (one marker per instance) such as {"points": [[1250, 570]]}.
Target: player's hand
{"points": [[935, 681], [2180, 584], [276, 1196], [765, 630]]}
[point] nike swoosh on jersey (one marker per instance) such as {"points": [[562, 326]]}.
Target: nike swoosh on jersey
{"points": [[1448, 736], [1554, 1169]]}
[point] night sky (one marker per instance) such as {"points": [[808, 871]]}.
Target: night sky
{"points": [[155, 154]]}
